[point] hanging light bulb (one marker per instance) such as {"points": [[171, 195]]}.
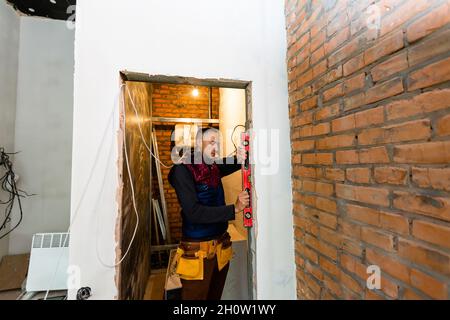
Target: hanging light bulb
{"points": [[195, 92]]}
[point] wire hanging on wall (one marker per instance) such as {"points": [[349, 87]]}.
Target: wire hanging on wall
{"points": [[8, 184]]}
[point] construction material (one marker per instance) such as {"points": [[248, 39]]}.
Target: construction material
{"points": [[161, 222], [161, 186], [246, 180], [184, 120], [172, 288], [13, 271]]}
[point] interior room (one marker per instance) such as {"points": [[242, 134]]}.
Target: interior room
{"points": [[165, 112], [345, 106], [36, 117]]}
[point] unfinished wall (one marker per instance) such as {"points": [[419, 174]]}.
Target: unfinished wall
{"points": [[177, 101], [370, 125], [257, 55], [9, 53], [43, 129]]}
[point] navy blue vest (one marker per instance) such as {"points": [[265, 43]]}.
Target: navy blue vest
{"points": [[210, 192]]}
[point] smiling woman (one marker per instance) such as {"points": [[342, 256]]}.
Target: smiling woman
{"points": [[54, 9]]}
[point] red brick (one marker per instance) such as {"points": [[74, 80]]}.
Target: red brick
{"points": [[334, 92], [354, 101], [337, 40], [327, 112], [331, 76], [354, 65], [318, 187], [378, 239], [405, 12], [429, 48], [363, 194], [359, 120], [435, 178], [302, 119], [389, 67], [388, 264], [384, 47], [335, 174], [335, 142], [394, 222], [329, 266], [384, 90], [436, 207], [315, 130], [429, 75], [429, 23], [320, 68], [318, 55], [318, 40], [372, 155], [354, 83], [303, 145], [419, 105], [443, 126], [309, 103], [305, 172], [409, 294], [431, 152], [369, 117], [313, 270], [435, 260], [346, 51], [432, 233], [358, 175], [390, 175], [350, 283], [354, 266], [363, 214], [432, 287]]}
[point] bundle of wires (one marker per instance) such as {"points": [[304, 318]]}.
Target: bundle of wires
{"points": [[8, 185]]}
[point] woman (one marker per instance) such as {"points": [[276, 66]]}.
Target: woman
{"points": [[205, 249]]}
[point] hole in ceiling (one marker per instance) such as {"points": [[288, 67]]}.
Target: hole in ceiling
{"points": [[53, 9]]}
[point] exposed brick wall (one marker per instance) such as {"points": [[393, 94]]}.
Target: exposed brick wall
{"points": [[177, 101], [370, 128]]}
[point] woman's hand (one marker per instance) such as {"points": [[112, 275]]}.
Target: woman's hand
{"points": [[242, 201]]}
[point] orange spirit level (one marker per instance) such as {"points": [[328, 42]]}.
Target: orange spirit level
{"points": [[246, 179]]}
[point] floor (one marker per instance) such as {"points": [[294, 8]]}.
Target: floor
{"points": [[155, 285]]}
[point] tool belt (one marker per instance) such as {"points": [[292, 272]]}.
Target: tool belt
{"points": [[190, 255]]}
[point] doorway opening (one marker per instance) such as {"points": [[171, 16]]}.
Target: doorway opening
{"points": [[156, 110]]}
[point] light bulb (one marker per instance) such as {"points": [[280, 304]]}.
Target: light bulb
{"points": [[195, 92]]}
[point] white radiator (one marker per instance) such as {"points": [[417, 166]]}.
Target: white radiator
{"points": [[49, 260]]}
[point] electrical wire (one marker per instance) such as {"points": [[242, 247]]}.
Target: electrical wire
{"points": [[131, 186], [232, 139], [88, 182], [142, 135], [8, 184]]}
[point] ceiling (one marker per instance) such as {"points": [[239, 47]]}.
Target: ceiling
{"points": [[53, 9]]}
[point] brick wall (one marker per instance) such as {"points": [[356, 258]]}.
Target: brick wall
{"points": [[370, 128], [177, 101]]}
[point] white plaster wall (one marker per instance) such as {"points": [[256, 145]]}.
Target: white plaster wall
{"points": [[231, 39], [9, 50], [43, 131]]}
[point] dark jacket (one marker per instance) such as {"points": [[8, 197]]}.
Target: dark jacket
{"points": [[200, 193]]}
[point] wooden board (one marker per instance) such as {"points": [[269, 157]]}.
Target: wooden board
{"points": [[135, 268], [13, 271]]}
